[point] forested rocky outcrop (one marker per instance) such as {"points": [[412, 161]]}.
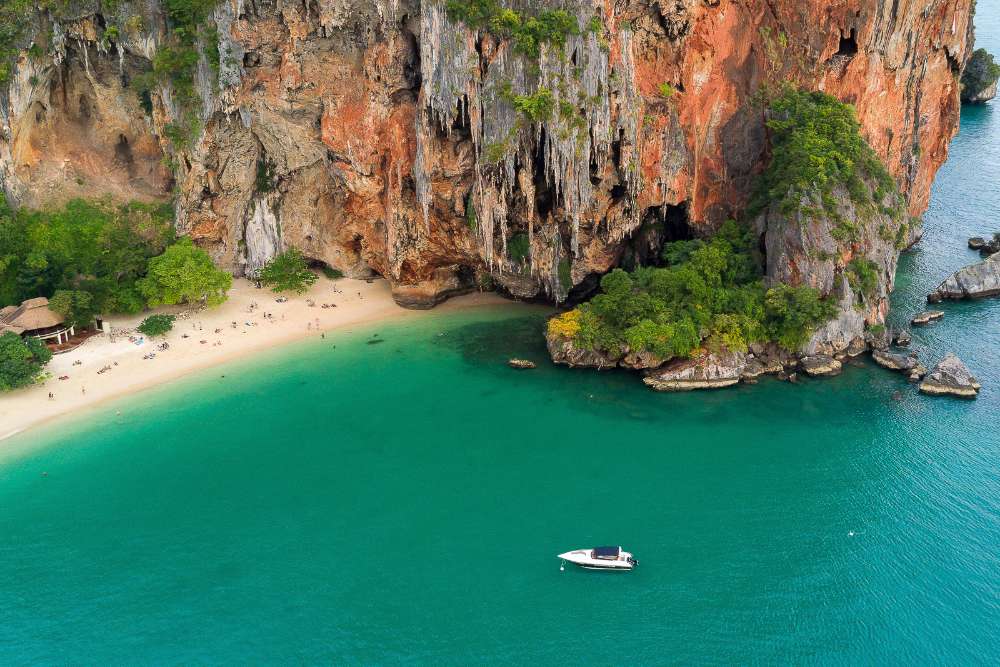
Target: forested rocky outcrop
{"points": [[453, 144]]}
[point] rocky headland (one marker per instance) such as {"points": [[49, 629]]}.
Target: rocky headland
{"points": [[979, 80]]}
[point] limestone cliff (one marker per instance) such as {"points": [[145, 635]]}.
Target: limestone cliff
{"points": [[382, 135]]}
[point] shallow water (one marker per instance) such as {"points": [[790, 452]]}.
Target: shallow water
{"points": [[403, 502]]}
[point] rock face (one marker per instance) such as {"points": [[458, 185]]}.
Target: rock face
{"points": [[379, 136], [952, 378], [905, 363], [564, 352], [710, 371], [926, 317], [979, 80], [972, 282], [820, 365]]}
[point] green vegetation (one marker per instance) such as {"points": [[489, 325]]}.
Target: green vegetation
{"points": [[22, 361], [709, 291], [981, 73], [156, 325], [667, 91], [184, 274], [75, 306], [95, 247], [288, 272], [519, 248], [176, 63], [565, 272], [265, 176], [528, 33], [15, 17], [862, 274], [816, 147], [471, 219], [331, 273], [538, 107]]}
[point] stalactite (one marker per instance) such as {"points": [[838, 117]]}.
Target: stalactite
{"points": [[585, 121]]}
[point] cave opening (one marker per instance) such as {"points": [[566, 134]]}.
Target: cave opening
{"points": [[544, 196], [123, 154], [848, 44], [660, 225], [330, 272]]}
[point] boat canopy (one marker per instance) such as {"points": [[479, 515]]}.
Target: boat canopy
{"points": [[607, 553]]}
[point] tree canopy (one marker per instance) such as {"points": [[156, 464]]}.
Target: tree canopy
{"points": [[817, 145], [184, 273], [710, 291], [288, 272], [75, 306], [156, 325], [22, 361], [91, 246]]}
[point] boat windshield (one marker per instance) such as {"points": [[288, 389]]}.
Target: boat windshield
{"points": [[607, 553]]}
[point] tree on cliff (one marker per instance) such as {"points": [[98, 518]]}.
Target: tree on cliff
{"points": [[288, 272], [184, 274], [979, 80], [22, 362]]}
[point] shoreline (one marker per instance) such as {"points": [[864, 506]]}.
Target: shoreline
{"points": [[202, 339]]}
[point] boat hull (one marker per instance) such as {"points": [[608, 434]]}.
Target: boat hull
{"points": [[585, 559]]}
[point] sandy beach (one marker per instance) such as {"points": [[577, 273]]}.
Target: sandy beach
{"points": [[200, 339]]}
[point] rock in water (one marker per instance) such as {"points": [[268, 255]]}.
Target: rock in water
{"points": [[979, 80], [564, 351], [950, 377], [521, 364], [926, 317], [820, 365], [895, 362], [903, 338], [972, 282], [712, 371], [977, 242]]}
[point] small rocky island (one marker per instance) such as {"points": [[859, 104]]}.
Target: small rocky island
{"points": [[979, 81], [950, 377], [972, 282]]}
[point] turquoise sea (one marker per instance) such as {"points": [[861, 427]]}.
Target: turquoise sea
{"points": [[347, 502]]}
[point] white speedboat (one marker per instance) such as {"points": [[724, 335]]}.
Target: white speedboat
{"points": [[601, 558]]}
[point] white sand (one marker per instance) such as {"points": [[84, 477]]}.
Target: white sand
{"points": [[358, 302]]}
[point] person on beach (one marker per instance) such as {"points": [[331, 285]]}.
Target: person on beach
{"points": [[51, 395]]}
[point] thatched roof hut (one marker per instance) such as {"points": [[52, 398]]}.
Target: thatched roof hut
{"points": [[32, 318]]}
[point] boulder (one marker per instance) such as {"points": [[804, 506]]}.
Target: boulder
{"points": [[977, 242], [710, 371], [641, 360], [918, 372], [753, 370], [950, 377], [564, 351], [927, 317], [819, 365], [521, 364], [972, 282], [902, 338], [857, 347], [990, 246], [895, 362]]}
